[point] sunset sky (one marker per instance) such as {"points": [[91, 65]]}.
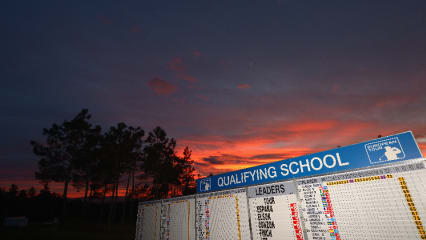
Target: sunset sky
{"points": [[240, 82]]}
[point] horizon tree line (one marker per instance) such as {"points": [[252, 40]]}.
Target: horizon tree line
{"points": [[79, 153]]}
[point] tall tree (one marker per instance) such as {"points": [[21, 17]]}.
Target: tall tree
{"points": [[60, 154], [160, 162], [87, 160], [120, 151], [187, 172]]}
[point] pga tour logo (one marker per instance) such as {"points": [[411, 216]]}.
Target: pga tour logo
{"points": [[205, 185], [384, 150]]}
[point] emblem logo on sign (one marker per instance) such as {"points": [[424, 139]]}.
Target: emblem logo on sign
{"points": [[384, 150], [205, 185]]}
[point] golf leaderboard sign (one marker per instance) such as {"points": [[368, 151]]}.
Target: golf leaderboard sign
{"points": [[370, 190]]}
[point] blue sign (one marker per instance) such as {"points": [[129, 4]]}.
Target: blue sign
{"points": [[379, 151]]}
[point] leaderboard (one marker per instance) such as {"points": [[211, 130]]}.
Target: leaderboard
{"points": [[274, 212], [222, 216], [384, 203], [365, 191]]}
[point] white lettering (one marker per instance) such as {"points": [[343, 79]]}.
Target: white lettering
{"points": [[271, 172], [340, 161], [263, 173], [284, 169], [291, 170], [245, 176], [304, 165], [237, 180], [312, 163], [325, 161], [252, 175], [232, 180], [220, 182], [224, 180]]}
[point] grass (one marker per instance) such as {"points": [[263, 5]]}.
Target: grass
{"points": [[76, 230]]}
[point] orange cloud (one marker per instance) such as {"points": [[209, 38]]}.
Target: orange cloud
{"points": [[161, 87], [275, 141], [309, 126], [243, 86]]}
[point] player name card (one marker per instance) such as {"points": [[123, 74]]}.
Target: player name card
{"points": [[274, 212]]}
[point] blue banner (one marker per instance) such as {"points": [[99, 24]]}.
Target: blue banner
{"points": [[379, 151]]}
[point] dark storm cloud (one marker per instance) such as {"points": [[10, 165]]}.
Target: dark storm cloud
{"points": [[213, 160]]}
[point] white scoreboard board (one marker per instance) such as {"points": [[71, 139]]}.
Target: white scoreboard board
{"points": [[222, 216], [274, 211], [381, 203], [148, 221], [178, 219], [369, 191]]}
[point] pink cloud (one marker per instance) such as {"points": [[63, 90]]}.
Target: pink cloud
{"points": [[187, 78], [203, 97], [161, 87], [243, 86], [394, 101], [176, 64]]}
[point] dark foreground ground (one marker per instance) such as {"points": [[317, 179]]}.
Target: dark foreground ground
{"points": [[75, 230]]}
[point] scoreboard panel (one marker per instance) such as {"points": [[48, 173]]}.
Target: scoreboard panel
{"points": [[274, 212], [178, 219], [148, 223], [383, 203], [222, 215]]}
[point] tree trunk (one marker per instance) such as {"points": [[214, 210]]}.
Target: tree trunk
{"points": [[126, 201], [64, 204], [102, 212], [86, 190], [133, 182], [111, 214], [91, 191], [127, 187]]}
